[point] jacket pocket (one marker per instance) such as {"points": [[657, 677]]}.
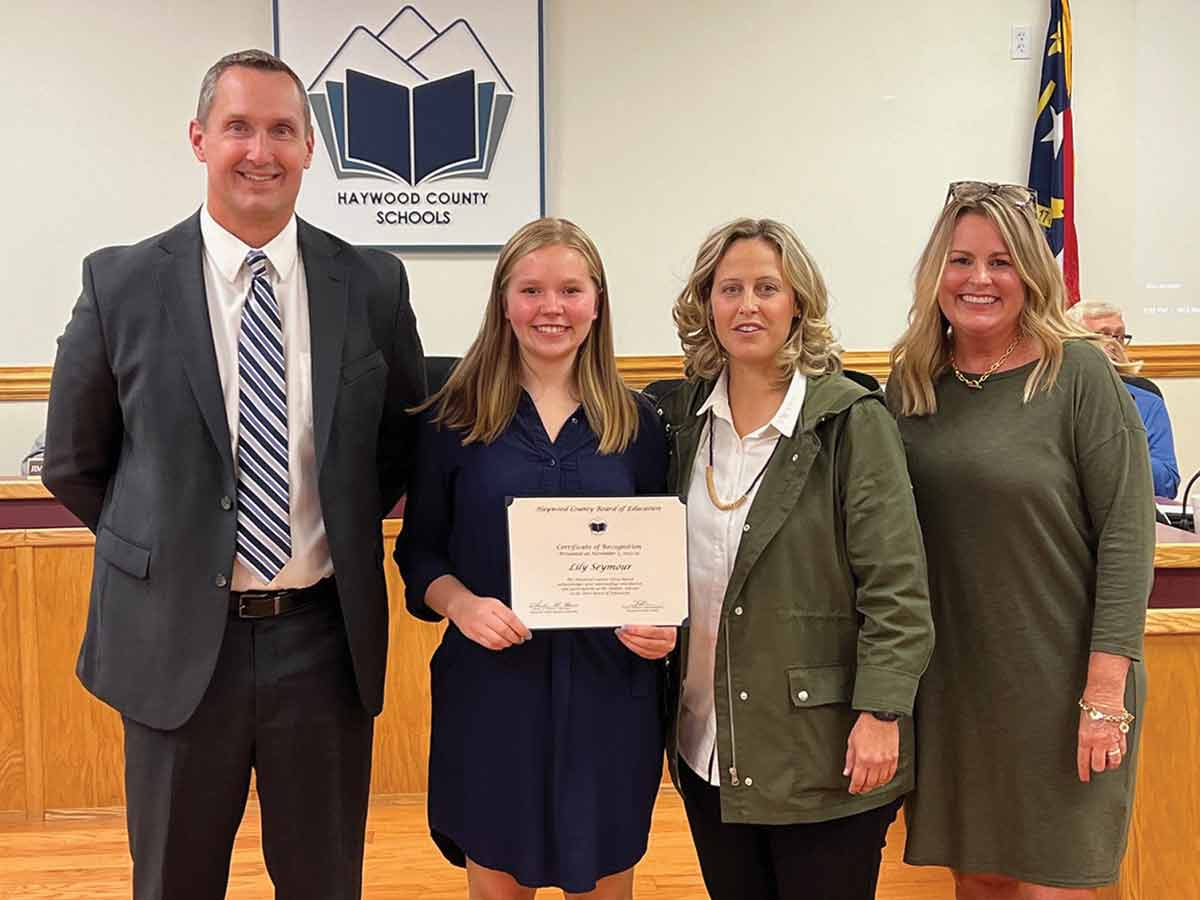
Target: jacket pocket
{"points": [[819, 685], [125, 555], [356, 369]]}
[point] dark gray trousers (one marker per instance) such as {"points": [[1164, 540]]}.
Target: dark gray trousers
{"points": [[283, 703]]}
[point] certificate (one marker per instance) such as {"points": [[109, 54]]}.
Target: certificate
{"points": [[597, 562]]}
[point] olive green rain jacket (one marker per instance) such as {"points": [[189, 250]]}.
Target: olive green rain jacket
{"points": [[826, 612]]}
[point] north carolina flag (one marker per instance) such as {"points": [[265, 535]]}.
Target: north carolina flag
{"points": [[1052, 163]]}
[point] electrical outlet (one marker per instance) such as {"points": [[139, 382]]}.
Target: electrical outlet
{"points": [[1019, 45]]}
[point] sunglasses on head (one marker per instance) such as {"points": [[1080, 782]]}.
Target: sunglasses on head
{"points": [[1017, 195]]}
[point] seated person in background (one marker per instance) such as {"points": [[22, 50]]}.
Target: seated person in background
{"points": [[1106, 318]]}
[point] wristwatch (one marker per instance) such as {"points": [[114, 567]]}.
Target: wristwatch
{"points": [[886, 716]]}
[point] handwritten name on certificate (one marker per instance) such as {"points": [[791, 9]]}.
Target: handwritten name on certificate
{"points": [[598, 562]]}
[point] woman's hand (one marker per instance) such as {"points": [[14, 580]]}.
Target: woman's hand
{"points": [[872, 753], [1102, 745], [648, 641], [486, 621]]}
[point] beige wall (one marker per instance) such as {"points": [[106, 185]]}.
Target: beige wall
{"points": [[663, 119]]}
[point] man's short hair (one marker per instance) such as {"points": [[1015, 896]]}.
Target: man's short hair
{"points": [[1093, 309], [247, 59]]}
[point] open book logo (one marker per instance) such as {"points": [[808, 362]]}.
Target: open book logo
{"points": [[411, 103]]}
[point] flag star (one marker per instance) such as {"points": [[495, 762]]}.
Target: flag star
{"points": [[1056, 133]]}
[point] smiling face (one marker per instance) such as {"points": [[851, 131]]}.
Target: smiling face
{"points": [[981, 293], [752, 303], [550, 301], [256, 148]]}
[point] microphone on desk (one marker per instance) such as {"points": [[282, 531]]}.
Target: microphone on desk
{"points": [[1183, 507]]}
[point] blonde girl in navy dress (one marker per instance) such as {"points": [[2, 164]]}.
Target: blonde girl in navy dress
{"points": [[546, 749]]}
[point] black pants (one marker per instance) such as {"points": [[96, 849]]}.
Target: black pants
{"points": [[834, 860], [282, 702]]}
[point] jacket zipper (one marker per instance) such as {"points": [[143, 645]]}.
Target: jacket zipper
{"points": [[733, 775]]}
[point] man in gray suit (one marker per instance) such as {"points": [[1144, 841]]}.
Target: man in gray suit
{"points": [[227, 416]]}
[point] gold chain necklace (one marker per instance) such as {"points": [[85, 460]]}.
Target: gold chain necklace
{"points": [[977, 383], [710, 481]]}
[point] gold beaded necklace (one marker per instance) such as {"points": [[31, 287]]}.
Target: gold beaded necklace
{"points": [[977, 383], [710, 481]]}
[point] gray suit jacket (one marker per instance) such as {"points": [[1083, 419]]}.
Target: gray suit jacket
{"points": [[138, 448]]}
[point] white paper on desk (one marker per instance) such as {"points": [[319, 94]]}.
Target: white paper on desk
{"points": [[598, 562]]}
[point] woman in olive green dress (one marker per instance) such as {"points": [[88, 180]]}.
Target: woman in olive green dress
{"points": [[1032, 479]]}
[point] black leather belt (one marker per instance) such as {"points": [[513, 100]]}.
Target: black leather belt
{"points": [[266, 604]]}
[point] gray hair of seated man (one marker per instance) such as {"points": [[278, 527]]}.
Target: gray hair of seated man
{"points": [[1093, 309]]}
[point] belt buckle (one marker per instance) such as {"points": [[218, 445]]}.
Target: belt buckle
{"points": [[244, 600]]}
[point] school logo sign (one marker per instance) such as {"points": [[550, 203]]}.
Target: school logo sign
{"points": [[445, 93]]}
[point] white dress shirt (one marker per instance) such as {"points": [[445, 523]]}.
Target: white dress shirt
{"points": [[713, 539], [226, 285]]}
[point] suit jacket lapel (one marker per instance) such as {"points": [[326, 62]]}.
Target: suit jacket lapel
{"points": [[327, 298], [180, 284]]}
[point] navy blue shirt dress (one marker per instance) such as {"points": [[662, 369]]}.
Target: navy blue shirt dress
{"points": [[545, 758]]}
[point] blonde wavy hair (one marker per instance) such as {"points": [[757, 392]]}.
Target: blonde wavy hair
{"points": [[481, 394], [923, 351], [809, 348]]}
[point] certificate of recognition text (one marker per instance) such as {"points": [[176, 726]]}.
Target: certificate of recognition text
{"points": [[596, 562]]}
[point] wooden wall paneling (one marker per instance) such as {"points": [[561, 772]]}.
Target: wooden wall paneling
{"points": [[402, 730], [1167, 360], [61, 537], [1164, 836], [1177, 556], [82, 741], [1159, 361], [1173, 621], [35, 787], [12, 488], [24, 382], [13, 768]]}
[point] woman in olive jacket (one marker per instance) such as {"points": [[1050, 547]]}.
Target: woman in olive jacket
{"points": [[809, 623]]}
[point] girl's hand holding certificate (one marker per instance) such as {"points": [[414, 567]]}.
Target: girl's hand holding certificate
{"points": [[648, 641]]}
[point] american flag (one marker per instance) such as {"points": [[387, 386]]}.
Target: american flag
{"points": [[1052, 162]]}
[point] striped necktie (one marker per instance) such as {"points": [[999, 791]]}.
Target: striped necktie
{"points": [[264, 536]]}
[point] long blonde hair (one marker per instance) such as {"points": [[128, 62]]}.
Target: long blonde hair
{"points": [[481, 394], [923, 351], [809, 348]]}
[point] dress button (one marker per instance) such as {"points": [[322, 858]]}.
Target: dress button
{"points": [[745, 528], [220, 581], [553, 462], [574, 420], [749, 781], [737, 610], [802, 696], [660, 412], [226, 503], [795, 456], [744, 695]]}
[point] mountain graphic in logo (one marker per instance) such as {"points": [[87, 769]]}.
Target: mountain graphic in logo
{"points": [[411, 103]]}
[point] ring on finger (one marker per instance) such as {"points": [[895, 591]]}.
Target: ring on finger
{"points": [[1114, 752]]}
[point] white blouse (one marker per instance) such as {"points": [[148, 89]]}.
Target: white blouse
{"points": [[713, 538]]}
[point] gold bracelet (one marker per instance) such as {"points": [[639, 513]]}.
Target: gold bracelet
{"points": [[1122, 721]]}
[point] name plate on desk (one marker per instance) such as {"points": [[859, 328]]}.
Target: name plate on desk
{"points": [[598, 562]]}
